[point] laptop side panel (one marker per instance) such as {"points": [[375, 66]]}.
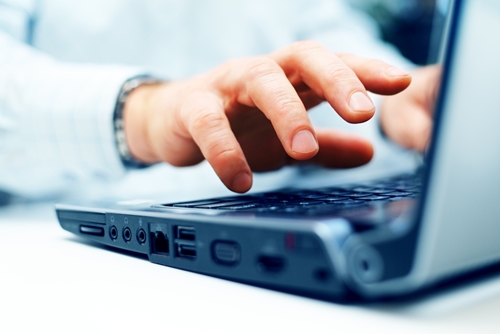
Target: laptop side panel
{"points": [[287, 255]]}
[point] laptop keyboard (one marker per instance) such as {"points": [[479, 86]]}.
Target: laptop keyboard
{"points": [[301, 201]]}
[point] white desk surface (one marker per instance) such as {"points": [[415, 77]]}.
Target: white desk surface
{"points": [[52, 281]]}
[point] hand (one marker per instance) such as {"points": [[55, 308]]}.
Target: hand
{"points": [[406, 118], [250, 114]]}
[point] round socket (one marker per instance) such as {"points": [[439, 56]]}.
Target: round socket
{"points": [[141, 236], [127, 234], [113, 232]]}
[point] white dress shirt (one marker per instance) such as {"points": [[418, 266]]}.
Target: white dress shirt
{"points": [[63, 62]]}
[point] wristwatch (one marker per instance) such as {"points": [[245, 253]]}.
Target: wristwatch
{"points": [[120, 138]]}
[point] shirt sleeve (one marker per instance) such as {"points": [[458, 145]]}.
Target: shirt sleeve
{"points": [[56, 128]]}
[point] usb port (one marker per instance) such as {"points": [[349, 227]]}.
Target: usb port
{"points": [[185, 233], [186, 251]]}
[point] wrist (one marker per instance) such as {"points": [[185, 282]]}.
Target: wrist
{"points": [[126, 127], [137, 108]]}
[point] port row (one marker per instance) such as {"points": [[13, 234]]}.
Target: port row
{"points": [[127, 234]]}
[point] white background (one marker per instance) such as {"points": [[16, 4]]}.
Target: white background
{"points": [[52, 281]]}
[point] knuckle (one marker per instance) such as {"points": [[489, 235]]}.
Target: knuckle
{"points": [[220, 150], [345, 55], [216, 142], [286, 105], [305, 46], [336, 73], [206, 120], [231, 64], [303, 49], [261, 67], [221, 155]]}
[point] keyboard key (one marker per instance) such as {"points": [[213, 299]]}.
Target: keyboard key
{"points": [[358, 194], [223, 204], [376, 198], [336, 191], [310, 202], [406, 187], [301, 193], [364, 189], [194, 203], [399, 194], [382, 191], [316, 196], [337, 198], [279, 196], [350, 202], [243, 206]]}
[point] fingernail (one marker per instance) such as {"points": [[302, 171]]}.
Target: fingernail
{"points": [[304, 142], [396, 72], [241, 182], [360, 102]]}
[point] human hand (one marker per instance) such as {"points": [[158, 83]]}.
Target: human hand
{"points": [[250, 114], [406, 118]]}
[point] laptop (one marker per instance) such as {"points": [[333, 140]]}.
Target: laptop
{"points": [[380, 238]]}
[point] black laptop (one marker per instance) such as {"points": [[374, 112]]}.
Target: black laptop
{"points": [[385, 237]]}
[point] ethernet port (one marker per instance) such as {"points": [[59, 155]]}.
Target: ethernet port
{"points": [[159, 243]]}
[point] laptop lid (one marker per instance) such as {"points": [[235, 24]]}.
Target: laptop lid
{"points": [[458, 227]]}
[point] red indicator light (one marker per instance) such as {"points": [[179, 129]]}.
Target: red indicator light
{"points": [[290, 241]]}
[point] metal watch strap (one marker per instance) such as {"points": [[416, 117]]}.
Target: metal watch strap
{"points": [[121, 140]]}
